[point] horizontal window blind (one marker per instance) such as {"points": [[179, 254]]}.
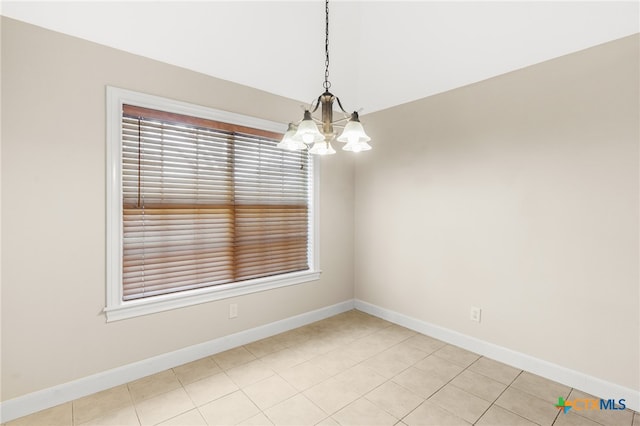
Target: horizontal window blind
{"points": [[207, 203]]}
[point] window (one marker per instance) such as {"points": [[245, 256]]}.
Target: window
{"points": [[202, 206]]}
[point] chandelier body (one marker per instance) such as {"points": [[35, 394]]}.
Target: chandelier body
{"points": [[306, 134]]}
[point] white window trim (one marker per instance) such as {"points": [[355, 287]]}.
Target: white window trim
{"points": [[117, 309]]}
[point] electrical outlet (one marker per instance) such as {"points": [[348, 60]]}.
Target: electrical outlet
{"points": [[475, 314], [233, 310]]}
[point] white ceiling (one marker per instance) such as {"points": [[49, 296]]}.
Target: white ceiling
{"points": [[383, 53]]}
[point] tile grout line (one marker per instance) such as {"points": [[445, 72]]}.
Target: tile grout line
{"points": [[463, 370], [555, 419], [498, 397], [437, 390]]}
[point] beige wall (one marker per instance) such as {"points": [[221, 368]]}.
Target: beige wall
{"points": [[518, 195], [53, 213]]}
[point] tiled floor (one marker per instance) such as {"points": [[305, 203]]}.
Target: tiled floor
{"points": [[351, 369]]}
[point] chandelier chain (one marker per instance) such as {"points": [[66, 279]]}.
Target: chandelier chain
{"points": [[326, 83]]}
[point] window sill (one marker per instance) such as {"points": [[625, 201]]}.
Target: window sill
{"points": [[167, 302]]}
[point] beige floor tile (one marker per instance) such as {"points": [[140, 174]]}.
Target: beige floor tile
{"points": [[344, 320], [101, 403], [229, 410], [342, 317], [328, 422], [363, 412], [270, 391], [233, 358], [190, 418], [375, 322], [429, 414], [210, 388], [460, 403], [456, 355], [163, 407], [604, 417], [539, 386], [60, 415], [382, 340], [345, 331], [333, 325], [305, 375], [286, 358], [361, 349], [395, 333], [258, 420], [495, 370], [338, 338], [196, 370], [479, 385], [321, 330], [295, 411], [352, 332], [322, 326], [361, 379], [266, 346], [498, 416], [154, 385], [394, 399], [126, 416], [387, 364], [333, 363], [525, 405], [316, 347], [419, 382], [331, 395], [355, 316], [424, 343], [636, 419], [249, 373], [291, 337], [572, 419], [439, 368], [407, 353]]}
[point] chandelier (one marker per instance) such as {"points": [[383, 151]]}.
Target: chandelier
{"points": [[316, 134]]}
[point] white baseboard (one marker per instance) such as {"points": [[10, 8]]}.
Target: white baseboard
{"points": [[575, 379], [46, 398]]}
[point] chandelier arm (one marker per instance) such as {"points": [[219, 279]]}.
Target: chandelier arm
{"points": [[340, 105], [342, 120], [317, 104]]}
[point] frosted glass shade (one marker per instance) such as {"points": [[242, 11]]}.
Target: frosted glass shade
{"points": [[322, 148], [353, 132], [288, 142], [308, 131], [356, 146]]}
